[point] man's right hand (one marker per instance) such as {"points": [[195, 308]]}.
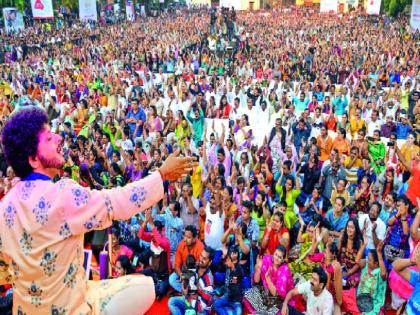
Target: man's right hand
{"points": [[175, 167]]}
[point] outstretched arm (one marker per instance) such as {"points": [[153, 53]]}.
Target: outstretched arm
{"points": [[84, 210], [401, 266]]}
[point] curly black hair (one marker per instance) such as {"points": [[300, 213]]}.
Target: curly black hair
{"points": [[20, 138]]}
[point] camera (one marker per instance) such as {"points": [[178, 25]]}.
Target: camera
{"points": [[390, 144], [189, 276]]}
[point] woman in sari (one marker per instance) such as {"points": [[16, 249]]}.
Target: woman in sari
{"points": [[361, 143], [273, 272], [376, 149], [306, 254], [341, 143]]}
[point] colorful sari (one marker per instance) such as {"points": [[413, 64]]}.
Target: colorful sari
{"points": [[377, 151], [371, 283]]}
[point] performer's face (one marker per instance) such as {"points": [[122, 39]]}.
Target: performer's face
{"points": [[50, 149]]}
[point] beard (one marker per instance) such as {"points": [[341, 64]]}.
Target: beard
{"points": [[51, 162]]}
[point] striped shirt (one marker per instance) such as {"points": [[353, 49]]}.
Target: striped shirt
{"points": [[205, 291]]}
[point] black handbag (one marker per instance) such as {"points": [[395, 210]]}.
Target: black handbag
{"points": [[364, 302]]}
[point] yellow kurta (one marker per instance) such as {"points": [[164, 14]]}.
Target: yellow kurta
{"points": [[41, 240]]}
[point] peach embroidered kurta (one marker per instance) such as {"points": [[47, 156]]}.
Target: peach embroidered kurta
{"points": [[41, 240]]}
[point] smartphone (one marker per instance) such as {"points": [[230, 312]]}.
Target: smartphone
{"points": [[135, 259]]}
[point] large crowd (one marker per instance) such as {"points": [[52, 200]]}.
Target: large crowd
{"points": [[306, 128]]}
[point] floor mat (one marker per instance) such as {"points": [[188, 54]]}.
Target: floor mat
{"points": [[159, 307]]}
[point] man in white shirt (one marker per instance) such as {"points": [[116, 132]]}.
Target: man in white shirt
{"points": [[375, 227], [214, 226], [252, 112], [236, 111], [263, 118], [374, 123], [319, 300]]}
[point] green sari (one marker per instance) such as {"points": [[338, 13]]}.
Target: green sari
{"points": [[377, 151]]}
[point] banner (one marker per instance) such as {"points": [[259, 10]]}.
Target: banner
{"points": [[352, 3], [129, 11], [373, 7], [42, 9], [13, 20], [415, 16], [231, 3], [87, 10], [329, 6]]}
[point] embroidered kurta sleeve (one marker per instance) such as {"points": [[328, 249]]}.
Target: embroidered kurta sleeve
{"points": [[5, 277], [85, 210]]}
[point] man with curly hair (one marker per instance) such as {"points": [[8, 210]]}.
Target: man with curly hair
{"points": [[42, 225]]}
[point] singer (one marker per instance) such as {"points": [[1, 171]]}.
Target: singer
{"points": [[42, 224]]}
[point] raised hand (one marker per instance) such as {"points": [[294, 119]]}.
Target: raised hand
{"points": [[259, 261], [302, 223], [365, 238], [232, 223], [380, 246], [175, 167]]}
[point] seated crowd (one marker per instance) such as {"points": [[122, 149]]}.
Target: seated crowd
{"points": [[307, 193]]}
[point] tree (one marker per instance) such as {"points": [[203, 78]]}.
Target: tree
{"points": [[394, 7], [20, 4], [71, 4], [386, 5]]}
